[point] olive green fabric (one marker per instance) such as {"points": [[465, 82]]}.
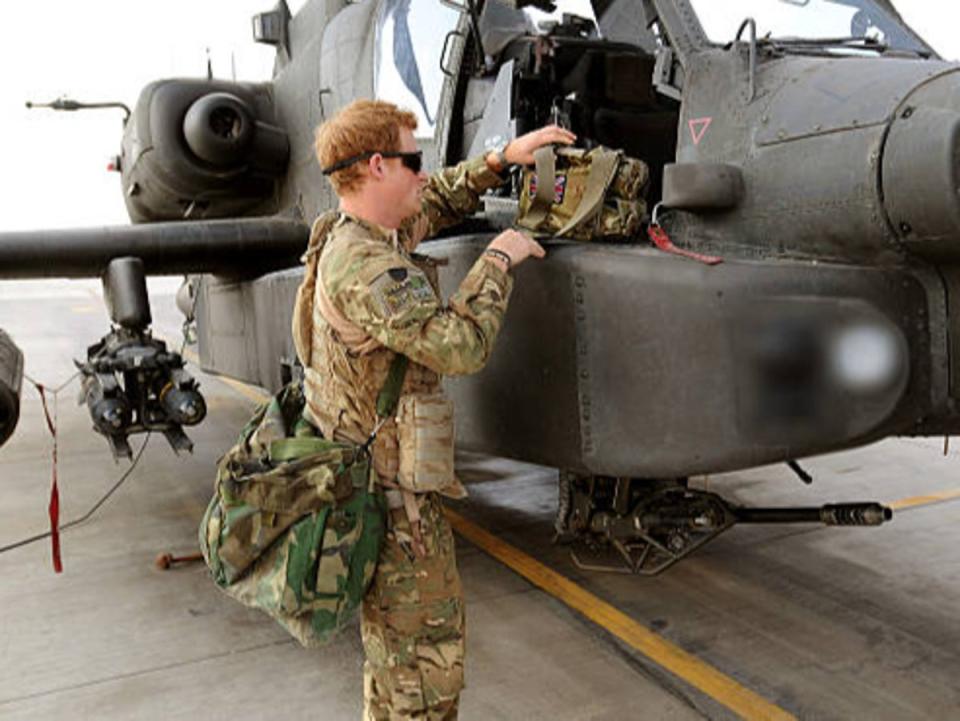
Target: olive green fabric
{"points": [[296, 522], [593, 194]]}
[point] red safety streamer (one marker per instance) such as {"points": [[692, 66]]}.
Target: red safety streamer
{"points": [[54, 508], [659, 237]]}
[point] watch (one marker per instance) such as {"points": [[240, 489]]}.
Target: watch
{"points": [[499, 152]]}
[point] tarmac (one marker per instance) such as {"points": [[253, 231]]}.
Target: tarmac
{"points": [[765, 622]]}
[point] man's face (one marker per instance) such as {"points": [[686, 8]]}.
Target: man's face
{"points": [[402, 188]]}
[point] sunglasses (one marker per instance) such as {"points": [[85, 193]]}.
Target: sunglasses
{"points": [[411, 161]]}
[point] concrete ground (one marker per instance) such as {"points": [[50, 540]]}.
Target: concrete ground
{"points": [[823, 623]]}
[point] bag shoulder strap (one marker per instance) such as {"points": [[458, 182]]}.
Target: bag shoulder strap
{"points": [[302, 325], [389, 395], [603, 167], [352, 335], [291, 448]]}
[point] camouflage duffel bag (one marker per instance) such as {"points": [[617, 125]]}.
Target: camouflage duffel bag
{"points": [[583, 194], [296, 522]]}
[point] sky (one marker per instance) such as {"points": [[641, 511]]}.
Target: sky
{"points": [[54, 164]]}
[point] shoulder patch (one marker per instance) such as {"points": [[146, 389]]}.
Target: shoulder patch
{"points": [[400, 289]]}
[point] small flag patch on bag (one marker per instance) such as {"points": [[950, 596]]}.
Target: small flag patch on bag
{"points": [[559, 187]]}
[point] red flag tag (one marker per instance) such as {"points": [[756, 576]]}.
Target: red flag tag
{"points": [[659, 237], [54, 507], [55, 524]]}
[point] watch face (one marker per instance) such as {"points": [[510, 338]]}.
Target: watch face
{"points": [[495, 143]]}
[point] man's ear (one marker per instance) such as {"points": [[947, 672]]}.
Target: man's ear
{"points": [[375, 166]]}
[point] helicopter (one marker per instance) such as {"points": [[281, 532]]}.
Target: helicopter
{"points": [[811, 145]]}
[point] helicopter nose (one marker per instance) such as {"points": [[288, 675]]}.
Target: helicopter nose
{"points": [[921, 169]]}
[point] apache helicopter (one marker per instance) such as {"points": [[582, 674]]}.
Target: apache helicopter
{"points": [[813, 145]]}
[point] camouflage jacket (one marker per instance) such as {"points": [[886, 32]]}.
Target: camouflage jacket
{"points": [[369, 276]]}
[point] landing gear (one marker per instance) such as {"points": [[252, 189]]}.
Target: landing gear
{"points": [[642, 526]]}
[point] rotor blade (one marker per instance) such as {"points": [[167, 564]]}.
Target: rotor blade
{"points": [[404, 57]]}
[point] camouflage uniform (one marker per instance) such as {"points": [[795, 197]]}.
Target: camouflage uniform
{"points": [[413, 621]]}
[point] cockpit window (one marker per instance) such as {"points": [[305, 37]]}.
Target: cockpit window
{"points": [[501, 22], [583, 8], [808, 19], [409, 42]]}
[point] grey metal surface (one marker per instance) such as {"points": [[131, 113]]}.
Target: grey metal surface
{"points": [[623, 21], [920, 177], [840, 94], [685, 33], [591, 372], [242, 247], [163, 179], [814, 197], [303, 100], [346, 61], [496, 127], [244, 327], [702, 186], [125, 293]]}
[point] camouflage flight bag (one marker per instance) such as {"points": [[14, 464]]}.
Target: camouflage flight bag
{"points": [[582, 194], [296, 521]]}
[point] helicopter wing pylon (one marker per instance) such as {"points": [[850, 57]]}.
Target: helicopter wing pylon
{"points": [[131, 381], [245, 247]]}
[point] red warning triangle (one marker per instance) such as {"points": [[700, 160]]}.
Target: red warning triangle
{"points": [[698, 128]]}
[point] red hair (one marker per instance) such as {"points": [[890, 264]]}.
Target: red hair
{"points": [[363, 126]]}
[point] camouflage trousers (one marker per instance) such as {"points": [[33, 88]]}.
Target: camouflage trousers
{"points": [[413, 624]]}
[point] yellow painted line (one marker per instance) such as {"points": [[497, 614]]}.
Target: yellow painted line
{"points": [[927, 500], [726, 691], [257, 395]]}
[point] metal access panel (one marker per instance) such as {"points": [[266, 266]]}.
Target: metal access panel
{"points": [[620, 360], [244, 327]]}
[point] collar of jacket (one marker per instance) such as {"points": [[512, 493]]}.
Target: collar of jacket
{"points": [[387, 235]]}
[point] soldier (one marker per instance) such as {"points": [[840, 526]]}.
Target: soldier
{"points": [[365, 298]]}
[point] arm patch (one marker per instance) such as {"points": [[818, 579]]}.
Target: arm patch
{"points": [[399, 290]]}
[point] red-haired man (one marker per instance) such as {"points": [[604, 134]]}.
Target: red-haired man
{"points": [[367, 298]]}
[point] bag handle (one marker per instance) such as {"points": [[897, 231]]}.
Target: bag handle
{"points": [[546, 169], [602, 170]]}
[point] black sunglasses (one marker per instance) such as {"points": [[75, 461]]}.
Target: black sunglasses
{"points": [[412, 161]]}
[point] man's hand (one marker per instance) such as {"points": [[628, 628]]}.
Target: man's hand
{"points": [[517, 246], [520, 150]]}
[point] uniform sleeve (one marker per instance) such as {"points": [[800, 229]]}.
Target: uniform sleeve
{"points": [[392, 300], [451, 195]]}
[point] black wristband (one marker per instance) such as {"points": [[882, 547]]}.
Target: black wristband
{"points": [[495, 253]]}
